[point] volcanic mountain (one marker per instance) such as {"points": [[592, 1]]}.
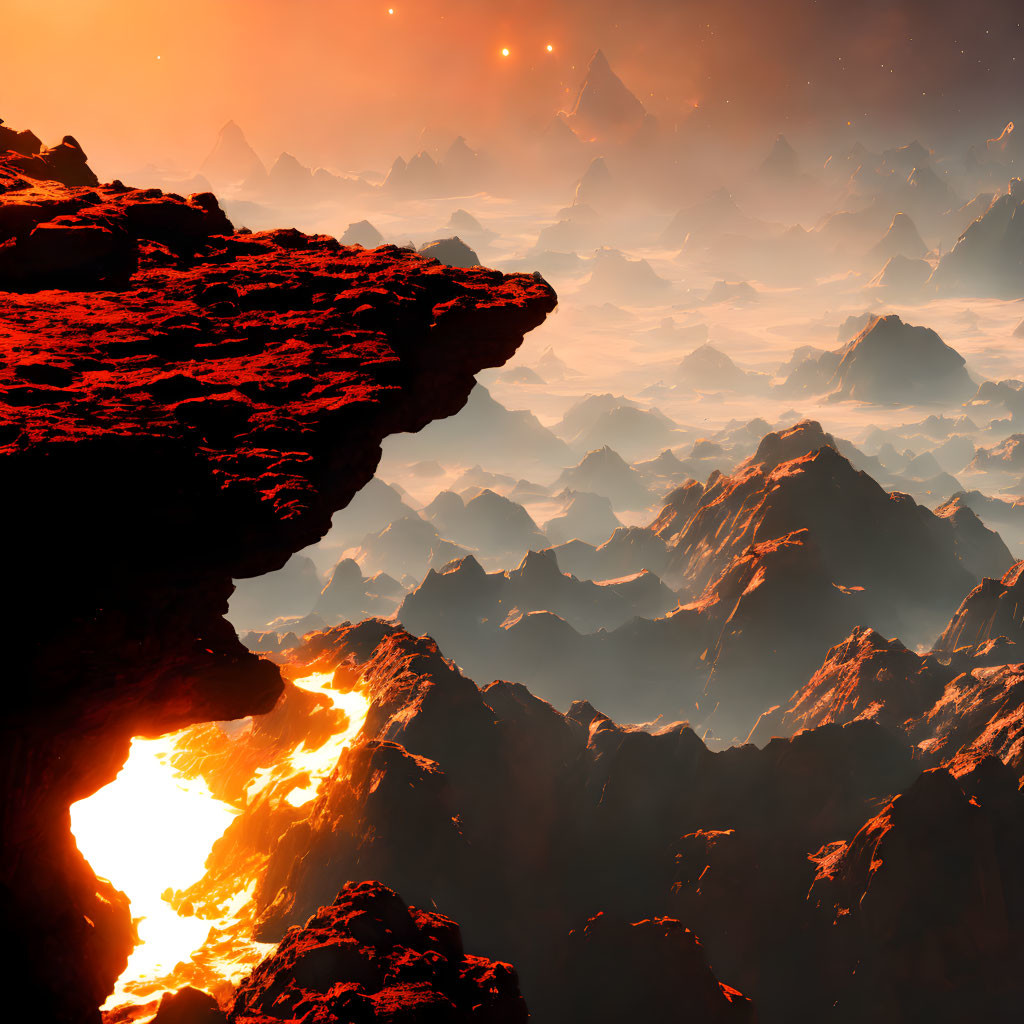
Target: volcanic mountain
{"points": [[605, 109], [232, 160]]}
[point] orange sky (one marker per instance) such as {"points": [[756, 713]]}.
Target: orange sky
{"points": [[347, 85]]}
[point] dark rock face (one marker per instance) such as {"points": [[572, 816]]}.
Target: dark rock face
{"points": [[27, 156], [524, 824], [584, 851], [367, 957], [648, 967], [927, 902], [227, 398], [188, 1006]]}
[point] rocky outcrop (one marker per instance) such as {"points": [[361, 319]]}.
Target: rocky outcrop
{"points": [[232, 161], [901, 239], [369, 957], [706, 368], [864, 678], [197, 424], [629, 550], [902, 279], [362, 232], [587, 517], [488, 523], [617, 278]]}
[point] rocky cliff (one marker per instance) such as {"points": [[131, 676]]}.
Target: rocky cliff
{"points": [[180, 405]]}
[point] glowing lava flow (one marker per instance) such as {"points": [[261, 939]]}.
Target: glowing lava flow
{"points": [[151, 832], [317, 763]]}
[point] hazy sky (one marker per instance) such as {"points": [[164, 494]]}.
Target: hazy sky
{"points": [[349, 84]]}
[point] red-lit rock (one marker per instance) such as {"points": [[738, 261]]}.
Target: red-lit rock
{"points": [[368, 958], [180, 405]]}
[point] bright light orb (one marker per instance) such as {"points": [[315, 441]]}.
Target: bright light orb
{"points": [[504, 51], [549, 48], [391, 10]]}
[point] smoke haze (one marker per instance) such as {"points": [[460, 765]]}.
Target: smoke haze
{"points": [[349, 85]]}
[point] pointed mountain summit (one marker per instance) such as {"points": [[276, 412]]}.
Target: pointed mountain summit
{"points": [[605, 108], [232, 160], [902, 239], [782, 161]]}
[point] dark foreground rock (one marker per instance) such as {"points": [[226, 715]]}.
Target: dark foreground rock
{"points": [[367, 957], [524, 824], [180, 405]]}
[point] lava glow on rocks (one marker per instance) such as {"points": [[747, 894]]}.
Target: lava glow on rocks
{"points": [[152, 830]]}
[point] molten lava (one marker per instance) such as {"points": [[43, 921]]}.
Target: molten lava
{"points": [[172, 831]]}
